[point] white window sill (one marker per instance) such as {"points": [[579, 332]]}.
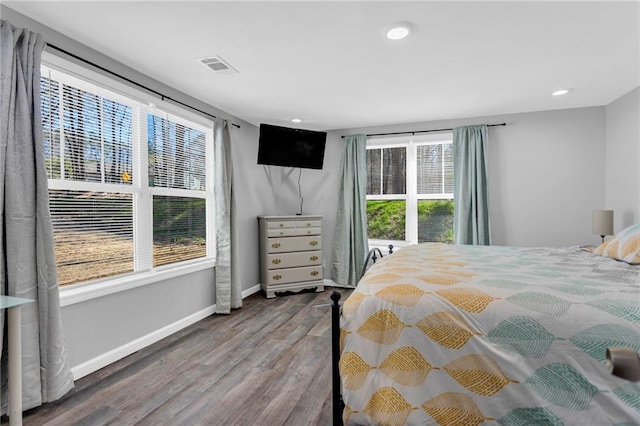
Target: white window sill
{"points": [[83, 292]]}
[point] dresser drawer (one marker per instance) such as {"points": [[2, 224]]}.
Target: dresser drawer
{"points": [[290, 260], [292, 275], [281, 232], [308, 224], [281, 224], [308, 231], [287, 244]]}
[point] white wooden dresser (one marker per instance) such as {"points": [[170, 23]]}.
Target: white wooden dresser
{"points": [[290, 254]]}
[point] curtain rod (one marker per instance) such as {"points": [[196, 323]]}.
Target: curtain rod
{"points": [[423, 131], [163, 97]]}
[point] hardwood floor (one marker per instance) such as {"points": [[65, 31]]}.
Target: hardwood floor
{"points": [[268, 363]]}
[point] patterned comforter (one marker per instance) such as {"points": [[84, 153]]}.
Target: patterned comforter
{"points": [[465, 335]]}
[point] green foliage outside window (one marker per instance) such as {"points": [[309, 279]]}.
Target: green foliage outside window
{"points": [[386, 220], [179, 229], [435, 221]]}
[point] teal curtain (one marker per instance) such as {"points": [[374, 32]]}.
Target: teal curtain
{"points": [[350, 246], [471, 211]]}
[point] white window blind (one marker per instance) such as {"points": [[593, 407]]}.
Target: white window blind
{"points": [[127, 185], [176, 155], [93, 234], [435, 169], [177, 182]]}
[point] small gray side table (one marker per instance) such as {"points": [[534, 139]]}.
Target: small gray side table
{"points": [[14, 349]]}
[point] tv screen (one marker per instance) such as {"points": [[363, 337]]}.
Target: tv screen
{"points": [[287, 147]]}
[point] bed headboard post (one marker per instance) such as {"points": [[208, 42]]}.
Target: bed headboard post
{"points": [[335, 357]]}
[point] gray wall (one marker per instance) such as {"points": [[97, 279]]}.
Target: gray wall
{"points": [[546, 173], [272, 190], [98, 326], [623, 159]]}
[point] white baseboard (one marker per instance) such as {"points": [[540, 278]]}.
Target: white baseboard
{"points": [[116, 354], [248, 292], [330, 283]]}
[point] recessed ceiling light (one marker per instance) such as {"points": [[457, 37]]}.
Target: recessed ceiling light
{"points": [[296, 120], [398, 31], [560, 92]]}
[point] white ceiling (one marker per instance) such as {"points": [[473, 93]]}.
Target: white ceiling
{"points": [[328, 63]]}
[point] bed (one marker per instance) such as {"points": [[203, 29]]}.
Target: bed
{"points": [[464, 335]]}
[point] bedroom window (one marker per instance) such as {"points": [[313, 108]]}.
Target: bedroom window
{"points": [[129, 185], [410, 189]]}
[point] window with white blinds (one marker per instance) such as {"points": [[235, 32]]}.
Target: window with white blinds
{"points": [[177, 181], [128, 185], [410, 189]]}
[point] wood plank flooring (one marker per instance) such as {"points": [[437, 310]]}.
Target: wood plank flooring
{"points": [[268, 363]]}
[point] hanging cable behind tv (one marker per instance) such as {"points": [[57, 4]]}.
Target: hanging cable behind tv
{"points": [[300, 192]]}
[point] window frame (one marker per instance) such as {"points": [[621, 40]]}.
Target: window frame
{"points": [[141, 103], [411, 197]]}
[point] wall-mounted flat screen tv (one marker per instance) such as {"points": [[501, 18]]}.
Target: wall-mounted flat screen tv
{"points": [[287, 147]]}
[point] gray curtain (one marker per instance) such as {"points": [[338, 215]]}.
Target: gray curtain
{"points": [[471, 211], [350, 245], [28, 266], [228, 290]]}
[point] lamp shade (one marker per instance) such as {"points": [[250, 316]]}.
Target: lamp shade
{"points": [[602, 222]]}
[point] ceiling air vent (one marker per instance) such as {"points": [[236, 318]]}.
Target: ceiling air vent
{"points": [[219, 65]]}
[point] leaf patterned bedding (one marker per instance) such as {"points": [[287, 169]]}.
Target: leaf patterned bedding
{"points": [[466, 335]]}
